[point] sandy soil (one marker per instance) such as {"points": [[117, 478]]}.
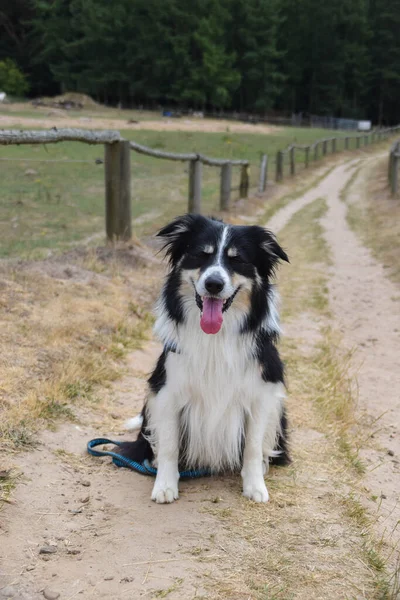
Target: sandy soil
{"points": [[55, 119], [96, 521]]}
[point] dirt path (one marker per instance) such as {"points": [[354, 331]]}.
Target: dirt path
{"points": [[103, 538]]}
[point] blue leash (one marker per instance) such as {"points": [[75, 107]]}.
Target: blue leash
{"points": [[145, 468]]}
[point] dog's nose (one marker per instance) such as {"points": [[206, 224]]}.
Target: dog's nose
{"points": [[214, 284]]}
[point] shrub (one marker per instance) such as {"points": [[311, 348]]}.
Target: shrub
{"points": [[12, 80]]}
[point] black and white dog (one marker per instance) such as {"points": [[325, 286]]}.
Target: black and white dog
{"points": [[217, 393]]}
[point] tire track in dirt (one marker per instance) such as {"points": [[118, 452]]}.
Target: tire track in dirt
{"points": [[367, 312]]}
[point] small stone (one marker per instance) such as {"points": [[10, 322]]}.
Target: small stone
{"points": [[127, 580], [48, 550], [85, 500], [73, 551], [383, 496], [390, 452], [50, 594], [109, 578], [9, 591], [30, 567], [85, 483]]}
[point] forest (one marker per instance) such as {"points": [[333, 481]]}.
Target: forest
{"points": [[339, 58]]}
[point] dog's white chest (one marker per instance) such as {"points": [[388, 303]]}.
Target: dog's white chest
{"points": [[212, 379]]}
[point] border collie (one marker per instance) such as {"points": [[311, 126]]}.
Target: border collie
{"points": [[216, 397]]}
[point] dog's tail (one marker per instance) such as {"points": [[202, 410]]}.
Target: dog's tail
{"points": [[134, 424]]}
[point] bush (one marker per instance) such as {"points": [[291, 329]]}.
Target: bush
{"points": [[12, 80]]}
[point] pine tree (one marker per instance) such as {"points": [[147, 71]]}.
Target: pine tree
{"points": [[385, 60]]}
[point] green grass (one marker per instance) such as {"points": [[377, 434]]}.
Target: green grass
{"points": [[62, 203]]}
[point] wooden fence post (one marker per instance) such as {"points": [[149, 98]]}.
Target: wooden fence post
{"points": [[292, 163], [365, 140], [316, 151], [324, 147], [195, 173], [263, 174], [244, 181], [306, 156], [225, 193], [279, 166], [395, 173], [346, 143], [357, 142], [333, 145], [118, 190]]}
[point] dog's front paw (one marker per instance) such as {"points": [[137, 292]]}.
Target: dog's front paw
{"points": [[256, 491], [164, 494]]}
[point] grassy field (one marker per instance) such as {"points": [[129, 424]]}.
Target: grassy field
{"points": [[53, 196]]}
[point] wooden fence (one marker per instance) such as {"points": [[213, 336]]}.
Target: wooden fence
{"points": [[394, 166], [321, 148], [118, 171], [118, 167]]}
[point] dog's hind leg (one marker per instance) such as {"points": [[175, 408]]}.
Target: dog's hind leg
{"points": [[261, 429], [280, 455]]}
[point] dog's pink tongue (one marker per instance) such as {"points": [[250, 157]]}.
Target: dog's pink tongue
{"points": [[211, 319]]}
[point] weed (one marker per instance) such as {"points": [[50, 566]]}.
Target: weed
{"points": [[164, 593], [356, 511], [8, 479]]}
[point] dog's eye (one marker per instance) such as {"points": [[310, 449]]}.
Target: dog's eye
{"points": [[237, 258]]}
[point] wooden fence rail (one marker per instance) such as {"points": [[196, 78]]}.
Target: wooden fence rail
{"points": [[322, 147], [118, 175], [393, 170]]}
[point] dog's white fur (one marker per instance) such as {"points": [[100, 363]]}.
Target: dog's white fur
{"points": [[214, 384]]}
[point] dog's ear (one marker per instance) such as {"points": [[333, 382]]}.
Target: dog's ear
{"points": [[270, 245], [176, 235], [268, 251]]}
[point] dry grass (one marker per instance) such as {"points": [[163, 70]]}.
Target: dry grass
{"points": [[8, 481], [65, 326], [375, 216]]}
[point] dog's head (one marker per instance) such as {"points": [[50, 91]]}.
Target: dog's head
{"points": [[222, 264]]}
